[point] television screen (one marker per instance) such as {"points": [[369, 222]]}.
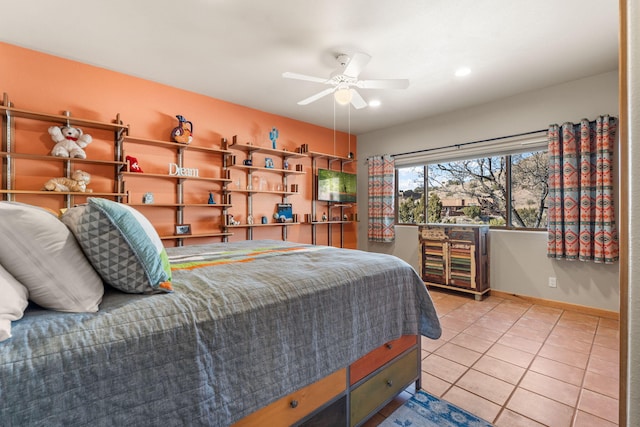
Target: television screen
{"points": [[336, 186]]}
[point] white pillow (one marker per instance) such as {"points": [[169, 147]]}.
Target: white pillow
{"points": [[13, 302], [43, 255]]}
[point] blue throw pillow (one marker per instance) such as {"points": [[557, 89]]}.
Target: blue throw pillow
{"points": [[122, 245]]}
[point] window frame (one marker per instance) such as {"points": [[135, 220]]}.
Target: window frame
{"points": [[509, 182]]}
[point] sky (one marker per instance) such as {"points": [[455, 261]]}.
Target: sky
{"points": [[407, 178]]}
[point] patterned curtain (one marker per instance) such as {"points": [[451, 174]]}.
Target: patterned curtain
{"points": [[381, 198], [581, 211]]}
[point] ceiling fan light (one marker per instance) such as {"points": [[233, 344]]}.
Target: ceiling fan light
{"points": [[343, 96]]}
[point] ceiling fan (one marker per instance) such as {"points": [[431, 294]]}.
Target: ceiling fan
{"points": [[344, 80]]}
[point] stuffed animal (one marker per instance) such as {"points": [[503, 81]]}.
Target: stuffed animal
{"points": [[77, 183], [69, 141], [134, 166]]}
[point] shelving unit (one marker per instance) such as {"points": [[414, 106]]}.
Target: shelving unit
{"points": [[329, 223], [250, 189], [11, 156], [26, 167], [179, 205]]}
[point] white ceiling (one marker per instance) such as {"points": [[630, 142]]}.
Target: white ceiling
{"points": [[237, 50]]}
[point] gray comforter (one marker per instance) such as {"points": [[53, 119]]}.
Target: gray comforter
{"points": [[248, 323]]}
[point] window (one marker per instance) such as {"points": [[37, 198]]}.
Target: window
{"points": [[529, 189], [509, 190], [410, 195]]}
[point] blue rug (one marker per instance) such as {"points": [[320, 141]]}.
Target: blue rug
{"points": [[425, 410]]}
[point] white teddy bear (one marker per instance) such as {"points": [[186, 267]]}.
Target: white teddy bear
{"points": [[70, 141]]}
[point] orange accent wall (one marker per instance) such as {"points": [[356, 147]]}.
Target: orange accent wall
{"points": [[49, 84]]}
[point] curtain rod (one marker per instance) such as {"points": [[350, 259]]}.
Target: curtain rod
{"points": [[463, 144]]}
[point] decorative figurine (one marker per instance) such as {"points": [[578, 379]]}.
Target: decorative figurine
{"points": [[250, 219], [324, 216], [285, 164], [231, 220], [182, 133], [134, 166], [268, 163], [211, 201], [273, 136], [147, 199]]}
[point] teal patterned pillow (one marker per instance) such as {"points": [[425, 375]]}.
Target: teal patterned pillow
{"points": [[122, 245]]}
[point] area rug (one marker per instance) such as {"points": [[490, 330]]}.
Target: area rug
{"points": [[425, 410]]}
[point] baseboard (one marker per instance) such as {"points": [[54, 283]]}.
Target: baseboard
{"points": [[558, 304]]}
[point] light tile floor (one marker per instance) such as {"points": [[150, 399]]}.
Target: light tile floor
{"points": [[519, 364]]}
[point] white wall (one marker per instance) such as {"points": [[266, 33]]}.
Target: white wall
{"points": [[633, 208], [518, 259]]}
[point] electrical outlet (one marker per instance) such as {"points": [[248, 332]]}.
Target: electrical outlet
{"points": [[552, 282]]}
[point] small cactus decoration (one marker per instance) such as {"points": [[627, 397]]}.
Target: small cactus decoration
{"points": [[273, 136]]}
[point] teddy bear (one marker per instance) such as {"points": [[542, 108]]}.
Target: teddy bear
{"points": [[70, 141], [77, 183]]}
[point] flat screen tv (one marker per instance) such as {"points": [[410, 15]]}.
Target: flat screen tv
{"points": [[336, 186]]}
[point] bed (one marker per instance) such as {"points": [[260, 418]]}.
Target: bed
{"points": [[246, 324]]}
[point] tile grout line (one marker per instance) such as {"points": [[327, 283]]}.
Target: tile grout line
{"points": [[526, 370], [503, 406], [584, 377]]}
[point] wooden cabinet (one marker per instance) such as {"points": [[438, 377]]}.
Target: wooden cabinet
{"points": [[261, 172], [380, 357], [27, 163], [347, 397], [299, 404], [381, 387], [455, 257], [177, 186]]}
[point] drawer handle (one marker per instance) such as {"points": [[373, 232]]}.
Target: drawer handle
{"points": [[293, 404], [389, 383], [389, 346]]}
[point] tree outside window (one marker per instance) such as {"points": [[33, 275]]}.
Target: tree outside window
{"points": [[530, 187]]}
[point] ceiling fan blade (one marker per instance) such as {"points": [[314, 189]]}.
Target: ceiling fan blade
{"points": [[357, 101], [383, 84], [296, 76], [356, 64], [317, 96]]}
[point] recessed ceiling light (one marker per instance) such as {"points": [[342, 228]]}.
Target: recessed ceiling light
{"points": [[463, 71], [374, 103]]}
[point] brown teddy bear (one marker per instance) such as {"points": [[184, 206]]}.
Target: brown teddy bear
{"points": [[70, 141], [77, 183]]}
